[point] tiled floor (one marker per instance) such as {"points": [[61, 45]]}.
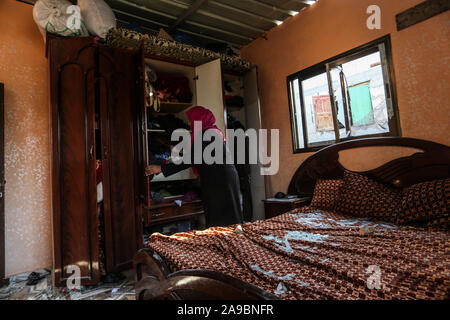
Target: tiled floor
{"points": [[18, 290]]}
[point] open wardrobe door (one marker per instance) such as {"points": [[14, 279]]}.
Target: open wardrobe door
{"points": [[2, 185], [253, 121], [210, 92]]}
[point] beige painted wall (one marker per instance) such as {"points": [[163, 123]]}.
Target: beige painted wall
{"points": [[23, 69], [421, 57], [421, 61]]}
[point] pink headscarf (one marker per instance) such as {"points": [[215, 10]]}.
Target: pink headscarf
{"points": [[199, 113]]}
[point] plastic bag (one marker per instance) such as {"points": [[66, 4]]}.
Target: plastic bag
{"points": [[98, 16], [59, 17]]}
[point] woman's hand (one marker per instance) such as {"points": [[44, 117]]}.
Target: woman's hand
{"points": [[152, 169]]}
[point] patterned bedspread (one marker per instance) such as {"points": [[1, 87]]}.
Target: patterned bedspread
{"points": [[313, 254]]}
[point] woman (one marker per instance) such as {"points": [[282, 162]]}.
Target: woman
{"points": [[219, 182]]}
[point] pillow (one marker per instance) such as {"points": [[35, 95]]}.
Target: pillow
{"points": [[440, 224], [326, 193], [98, 16], [426, 203], [364, 197]]}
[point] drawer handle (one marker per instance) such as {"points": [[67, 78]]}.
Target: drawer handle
{"points": [[158, 214]]}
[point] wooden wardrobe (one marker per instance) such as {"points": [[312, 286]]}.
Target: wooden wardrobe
{"points": [[88, 78], [98, 112]]}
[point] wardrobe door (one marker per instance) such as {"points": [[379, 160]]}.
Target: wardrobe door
{"points": [[119, 104], [75, 222], [209, 90], [253, 120]]}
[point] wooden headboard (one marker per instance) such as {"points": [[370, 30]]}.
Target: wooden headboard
{"points": [[432, 163]]}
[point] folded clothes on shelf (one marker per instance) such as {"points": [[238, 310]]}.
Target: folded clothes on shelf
{"points": [[167, 122], [157, 145], [190, 196], [156, 159], [178, 202], [164, 156], [170, 123], [173, 87], [165, 193], [156, 196], [152, 124]]}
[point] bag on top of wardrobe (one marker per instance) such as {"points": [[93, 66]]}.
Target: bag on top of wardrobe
{"points": [[98, 16], [60, 17]]}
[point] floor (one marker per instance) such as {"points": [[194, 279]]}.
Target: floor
{"points": [[43, 290]]}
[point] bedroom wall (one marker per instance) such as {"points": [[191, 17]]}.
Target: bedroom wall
{"points": [[23, 69], [421, 61]]}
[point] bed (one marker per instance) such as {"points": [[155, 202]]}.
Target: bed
{"points": [[379, 234]]}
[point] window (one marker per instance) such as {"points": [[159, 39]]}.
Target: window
{"points": [[346, 97]]}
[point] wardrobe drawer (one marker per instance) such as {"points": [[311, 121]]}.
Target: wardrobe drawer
{"points": [[191, 207], [163, 212], [159, 213]]}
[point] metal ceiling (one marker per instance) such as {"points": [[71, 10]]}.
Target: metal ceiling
{"points": [[236, 22]]}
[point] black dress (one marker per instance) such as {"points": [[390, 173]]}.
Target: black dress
{"points": [[220, 190]]}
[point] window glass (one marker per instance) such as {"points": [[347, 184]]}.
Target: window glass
{"points": [[365, 83], [351, 98], [317, 110], [296, 113]]}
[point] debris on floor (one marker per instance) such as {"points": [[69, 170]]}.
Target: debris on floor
{"points": [[37, 285]]}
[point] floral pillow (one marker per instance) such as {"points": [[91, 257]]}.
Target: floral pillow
{"points": [[326, 193], [364, 197]]}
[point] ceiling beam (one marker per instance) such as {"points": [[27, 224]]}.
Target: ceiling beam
{"points": [[143, 27], [214, 16], [190, 11], [211, 38], [144, 8], [197, 24], [182, 30], [272, 7], [306, 2], [219, 30], [140, 18], [251, 14]]}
